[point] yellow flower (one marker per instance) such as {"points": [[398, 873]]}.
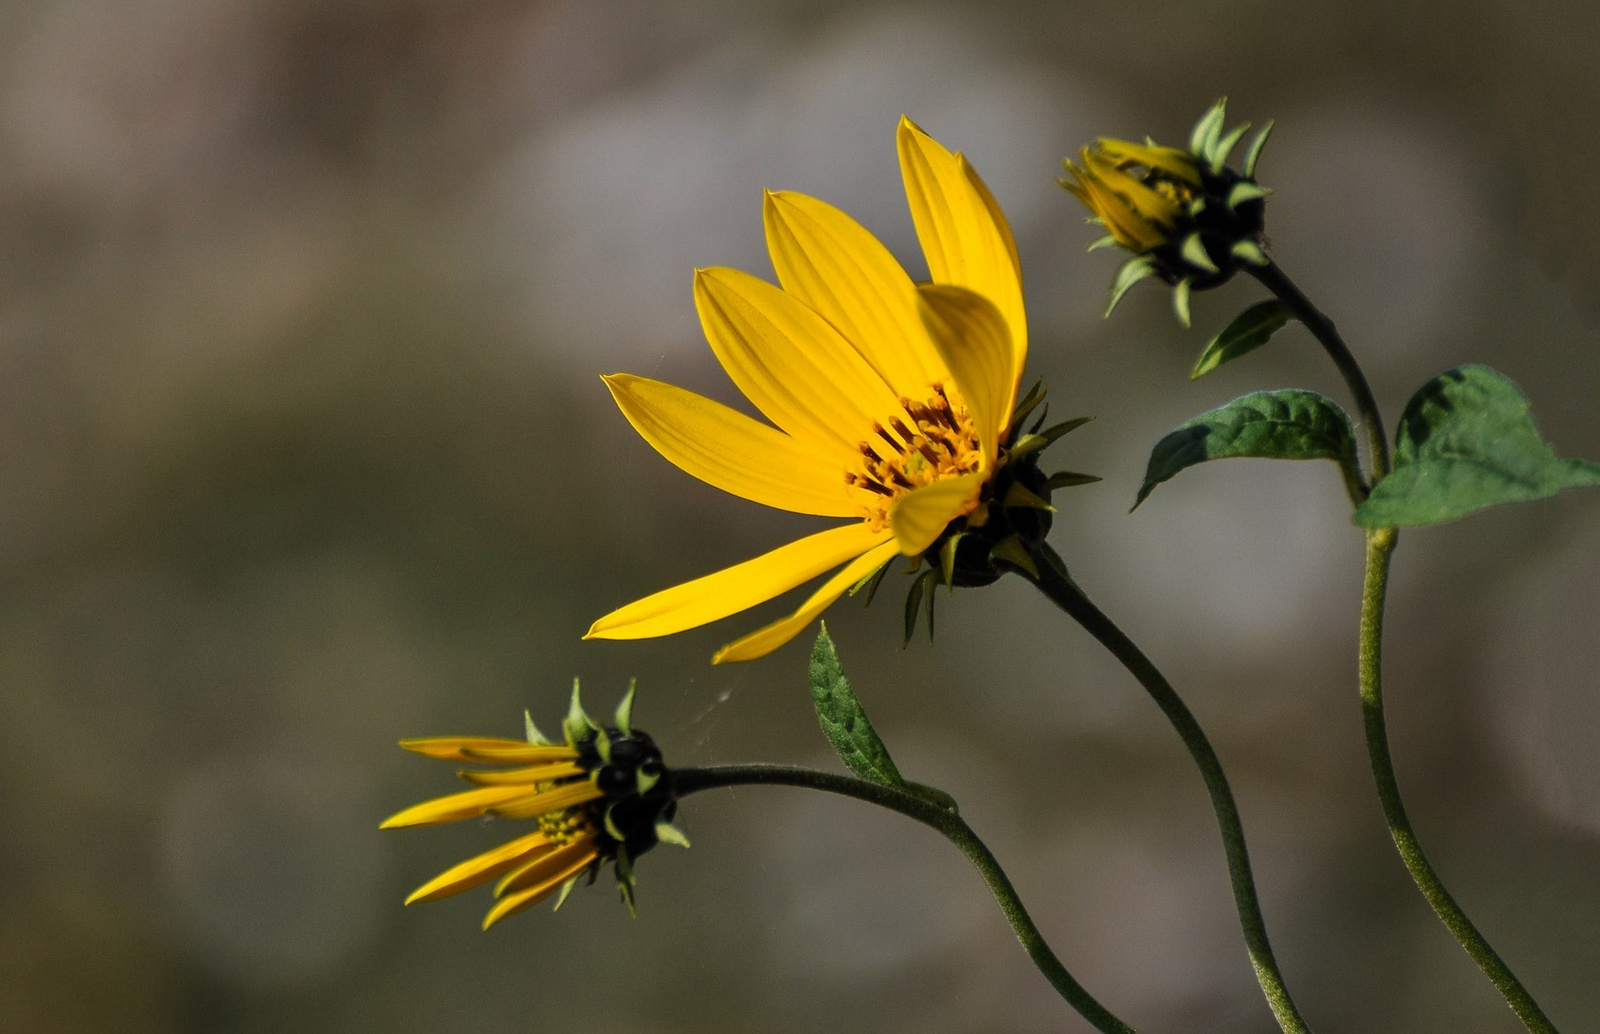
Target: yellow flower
{"points": [[1137, 191], [602, 796], [889, 401]]}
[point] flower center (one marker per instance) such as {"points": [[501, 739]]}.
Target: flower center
{"points": [[940, 442], [563, 827]]}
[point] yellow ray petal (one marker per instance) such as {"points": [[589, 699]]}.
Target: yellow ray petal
{"points": [[1155, 207], [537, 870], [1175, 163], [454, 748], [738, 587], [765, 640], [971, 335], [728, 450], [479, 869], [829, 261], [964, 236], [790, 362], [514, 903], [558, 798], [919, 516], [527, 776], [456, 806]]}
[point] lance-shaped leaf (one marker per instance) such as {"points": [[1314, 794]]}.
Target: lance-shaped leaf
{"points": [[1467, 441], [1249, 330], [844, 722], [1282, 425]]}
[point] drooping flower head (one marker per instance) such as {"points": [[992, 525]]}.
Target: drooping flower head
{"points": [[601, 796], [1188, 218], [891, 404]]}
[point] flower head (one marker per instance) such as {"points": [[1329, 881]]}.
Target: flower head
{"points": [[601, 796], [1189, 219], [891, 404]]}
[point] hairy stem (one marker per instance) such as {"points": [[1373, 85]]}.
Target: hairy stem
{"points": [[1380, 548], [952, 827], [1055, 584]]}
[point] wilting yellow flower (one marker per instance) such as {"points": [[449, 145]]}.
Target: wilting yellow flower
{"points": [[891, 401], [602, 796]]}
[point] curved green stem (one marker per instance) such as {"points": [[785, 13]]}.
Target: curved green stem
{"points": [[1055, 584], [952, 827], [1380, 547], [1321, 327]]}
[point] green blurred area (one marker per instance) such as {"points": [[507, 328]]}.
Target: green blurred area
{"points": [[303, 450]]}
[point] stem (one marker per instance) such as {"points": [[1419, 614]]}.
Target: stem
{"points": [[1321, 327], [1380, 548], [1055, 584], [693, 780]]}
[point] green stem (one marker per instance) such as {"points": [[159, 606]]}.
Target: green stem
{"points": [[952, 827], [1380, 548], [1055, 584], [1321, 327]]}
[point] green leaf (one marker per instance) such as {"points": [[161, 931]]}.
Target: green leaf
{"points": [[1467, 441], [844, 722], [1249, 330], [1285, 425]]}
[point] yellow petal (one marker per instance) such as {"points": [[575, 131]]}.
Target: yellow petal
{"points": [[728, 450], [972, 336], [764, 641], [1175, 163], [528, 776], [454, 748], [514, 903], [1157, 208], [964, 236], [456, 806], [790, 362], [480, 869], [738, 587], [921, 515], [829, 261], [537, 870], [559, 798]]}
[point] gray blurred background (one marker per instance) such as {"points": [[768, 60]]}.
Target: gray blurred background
{"points": [[303, 449]]}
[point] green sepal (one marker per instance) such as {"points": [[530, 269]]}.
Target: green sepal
{"points": [[1027, 403], [1180, 301], [933, 596], [947, 559], [1203, 137], [1467, 441], [576, 725], [667, 833], [611, 826], [914, 595], [1254, 151], [844, 721], [1068, 479], [625, 880], [602, 745], [623, 718], [1245, 190], [1019, 496], [1193, 250], [566, 890], [1011, 550], [1225, 146], [1198, 205], [1246, 250], [1033, 441], [1249, 330], [871, 583], [531, 731], [1289, 424], [1129, 273], [644, 781], [1108, 241]]}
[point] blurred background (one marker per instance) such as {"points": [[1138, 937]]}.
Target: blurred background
{"points": [[303, 449]]}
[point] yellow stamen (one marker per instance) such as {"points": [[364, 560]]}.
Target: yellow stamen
{"points": [[942, 444]]}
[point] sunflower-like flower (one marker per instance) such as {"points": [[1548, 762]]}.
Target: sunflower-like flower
{"points": [[894, 403], [1189, 219], [603, 795]]}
